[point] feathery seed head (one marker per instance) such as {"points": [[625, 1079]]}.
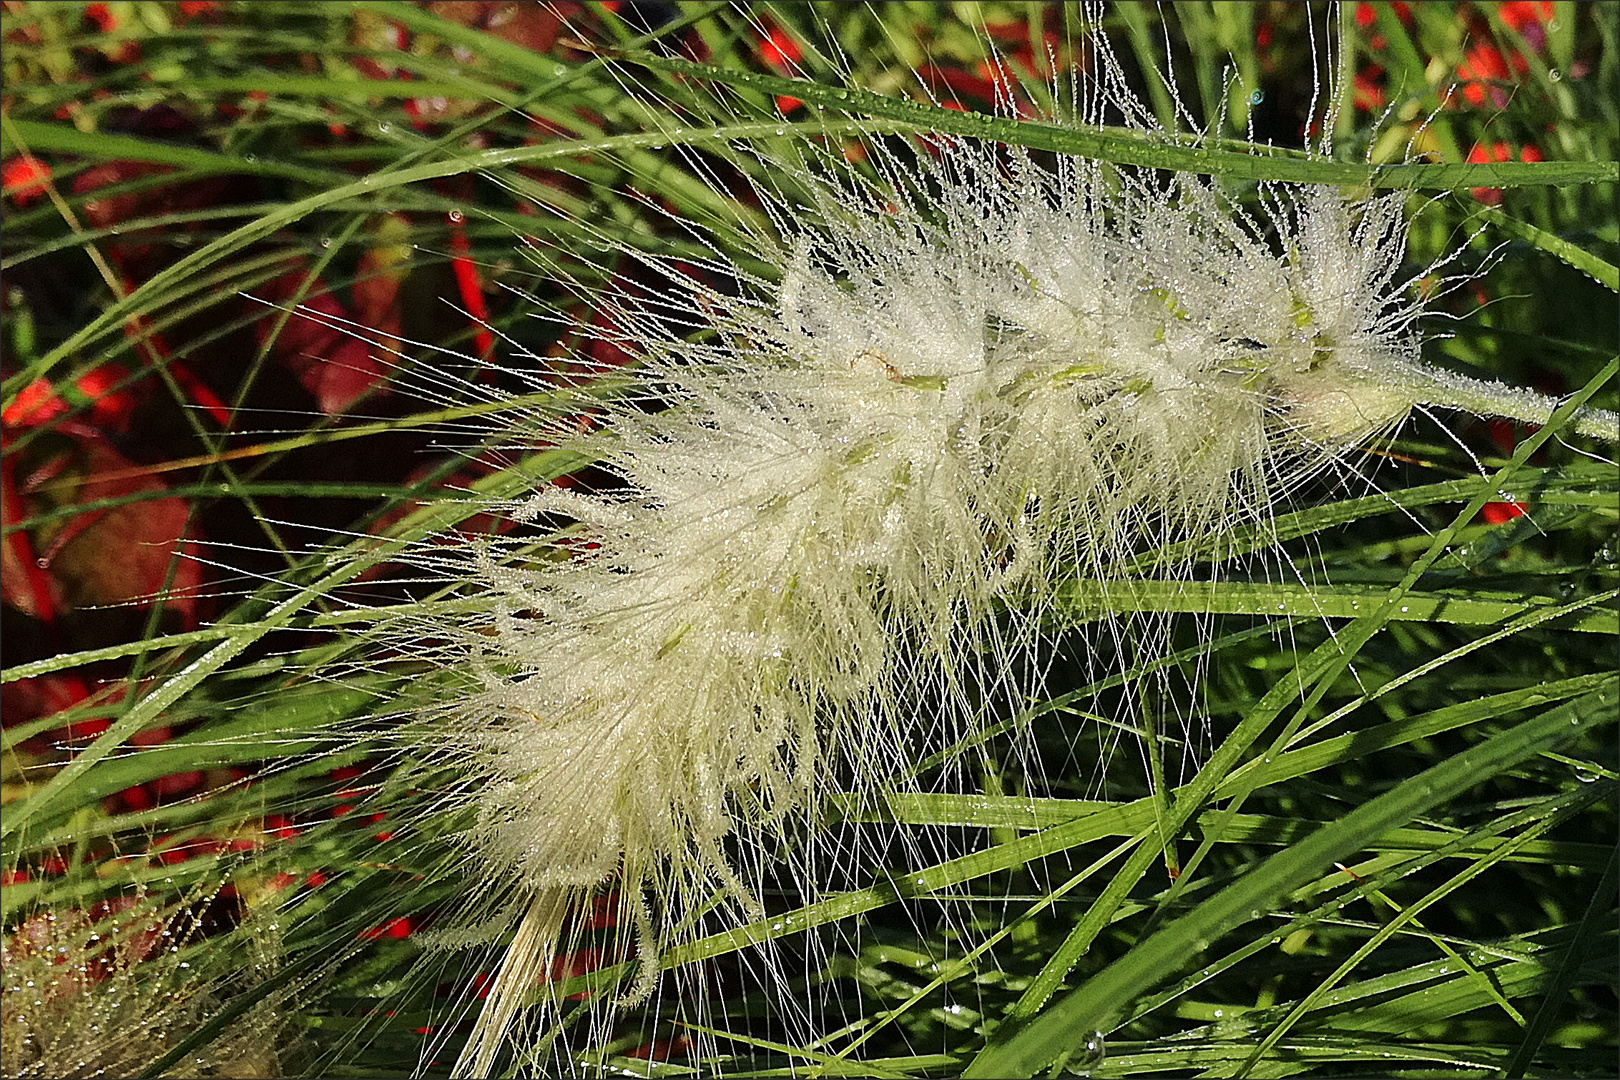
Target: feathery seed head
{"points": [[110, 991], [942, 409], [966, 378]]}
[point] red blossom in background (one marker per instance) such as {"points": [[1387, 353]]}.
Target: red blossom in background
{"points": [[394, 928], [1366, 17], [1479, 154], [1487, 72], [1489, 69], [1529, 19], [1368, 88], [1500, 513], [104, 393], [781, 53], [101, 17], [23, 179]]}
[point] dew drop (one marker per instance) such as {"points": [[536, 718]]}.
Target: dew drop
{"points": [[1585, 776], [1257, 97], [1566, 589], [456, 217], [1087, 1055], [1555, 75]]}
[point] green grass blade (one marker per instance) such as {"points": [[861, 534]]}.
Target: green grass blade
{"points": [[1022, 1052]]}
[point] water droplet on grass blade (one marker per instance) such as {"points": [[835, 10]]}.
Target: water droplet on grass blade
{"points": [[1085, 1058]]}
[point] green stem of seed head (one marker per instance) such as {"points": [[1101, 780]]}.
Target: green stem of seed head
{"points": [[1483, 398]]}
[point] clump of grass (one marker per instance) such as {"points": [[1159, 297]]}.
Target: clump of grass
{"points": [[1310, 695], [112, 991]]}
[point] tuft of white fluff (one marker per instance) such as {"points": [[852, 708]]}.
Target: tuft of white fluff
{"points": [[841, 482], [111, 991]]}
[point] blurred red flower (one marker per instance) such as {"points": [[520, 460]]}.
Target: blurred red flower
{"points": [[23, 178]]}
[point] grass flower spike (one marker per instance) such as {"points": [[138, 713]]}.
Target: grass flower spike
{"points": [[112, 993], [844, 487]]}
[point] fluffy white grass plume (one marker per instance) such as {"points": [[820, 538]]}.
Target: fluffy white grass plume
{"points": [[113, 990], [847, 485]]}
